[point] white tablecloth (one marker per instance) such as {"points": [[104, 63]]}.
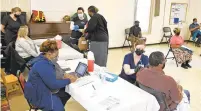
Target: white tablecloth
{"points": [[117, 96], [65, 53]]}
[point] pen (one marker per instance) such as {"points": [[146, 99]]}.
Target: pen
{"points": [[93, 87]]}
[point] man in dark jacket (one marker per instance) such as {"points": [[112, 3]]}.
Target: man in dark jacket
{"points": [[98, 36]]}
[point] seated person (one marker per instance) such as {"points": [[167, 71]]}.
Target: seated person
{"points": [[135, 33], [154, 77], [78, 25], [133, 61], [60, 74], [42, 87], [195, 31], [182, 54], [25, 46]]}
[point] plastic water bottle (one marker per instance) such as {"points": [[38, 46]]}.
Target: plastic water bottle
{"points": [[58, 40], [91, 59]]}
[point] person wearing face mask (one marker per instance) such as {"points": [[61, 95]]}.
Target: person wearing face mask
{"points": [[98, 36], [42, 88], [195, 32], [154, 77], [133, 62], [11, 24], [78, 24], [135, 34]]}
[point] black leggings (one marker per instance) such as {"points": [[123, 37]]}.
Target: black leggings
{"points": [[64, 96]]}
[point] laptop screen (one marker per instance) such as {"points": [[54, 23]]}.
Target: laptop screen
{"points": [[81, 69]]}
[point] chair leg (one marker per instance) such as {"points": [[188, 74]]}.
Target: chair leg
{"points": [[124, 42], [161, 40], [175, 59], [167, 54]]}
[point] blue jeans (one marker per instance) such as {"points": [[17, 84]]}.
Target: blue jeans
{"points": [[196, 34], [187, 94]]}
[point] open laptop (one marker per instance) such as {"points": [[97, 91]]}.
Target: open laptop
{"points": [[81, 70]]}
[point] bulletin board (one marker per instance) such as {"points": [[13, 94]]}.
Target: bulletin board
{"points": [[178, 10]]}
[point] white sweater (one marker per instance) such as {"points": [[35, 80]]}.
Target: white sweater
{"points": [[26, 48]]}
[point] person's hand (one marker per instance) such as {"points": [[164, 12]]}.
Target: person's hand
{"points": [[72, 78], [180, 91]]}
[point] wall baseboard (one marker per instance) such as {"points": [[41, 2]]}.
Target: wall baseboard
{"points": [[147, 44]]}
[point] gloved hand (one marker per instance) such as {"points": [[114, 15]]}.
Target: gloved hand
{"points": [[76, 28]]}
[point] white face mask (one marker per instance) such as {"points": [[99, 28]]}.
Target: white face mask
{"points": [[81, 16]]}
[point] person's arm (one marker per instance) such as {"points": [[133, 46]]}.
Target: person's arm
{"points": [[26, 46], [3, 24], [48, 75], [91, 25], [71, 25], [126, 66], [192, 29], [174, 92]]}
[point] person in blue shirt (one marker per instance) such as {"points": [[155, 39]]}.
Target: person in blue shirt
{"points": [[42, 86], [134, 61], [195, 31]]}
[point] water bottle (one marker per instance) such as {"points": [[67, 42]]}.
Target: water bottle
{"points": [[58, 40], [90, 58]]}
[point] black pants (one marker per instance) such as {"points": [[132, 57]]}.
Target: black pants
{"points": [[64, 97], [198, 40]]}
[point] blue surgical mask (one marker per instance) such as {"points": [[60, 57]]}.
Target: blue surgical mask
{"points": [[195, 22]]}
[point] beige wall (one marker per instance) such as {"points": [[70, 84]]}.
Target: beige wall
{"points": [[25, 5], [119, 16]]}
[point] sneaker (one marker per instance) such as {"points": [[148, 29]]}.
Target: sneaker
{"points": [[189, 66], [184, 66]]}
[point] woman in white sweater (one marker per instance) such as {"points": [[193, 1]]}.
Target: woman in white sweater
{"points": [[25, 46]]}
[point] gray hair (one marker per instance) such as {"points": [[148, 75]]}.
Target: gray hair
{"points": [[156, 58]]}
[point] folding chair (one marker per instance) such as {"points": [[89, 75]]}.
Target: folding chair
{"points": [[22, 78], [166, 57], [160, 96], [127, 31], [167, 34], [11, 82]]}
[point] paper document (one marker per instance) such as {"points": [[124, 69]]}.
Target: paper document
{"points": [[109, 103]]}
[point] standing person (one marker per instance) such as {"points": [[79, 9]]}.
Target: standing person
{"points": [[25, 46], [11, 24], [98, 36], [77, 25]]}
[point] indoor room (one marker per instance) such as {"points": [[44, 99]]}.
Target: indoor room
{"points": [[100, 55]]}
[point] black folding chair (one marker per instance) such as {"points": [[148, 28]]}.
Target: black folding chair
{"points": [[160, 96], [167, 34], [127, 31], [173, 58]]}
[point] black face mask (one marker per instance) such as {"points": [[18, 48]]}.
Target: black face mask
{"points": [[163, 66], [139, 52], [16, 15]]}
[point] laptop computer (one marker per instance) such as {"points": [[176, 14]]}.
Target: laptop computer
{"points": [[81, 70]]}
